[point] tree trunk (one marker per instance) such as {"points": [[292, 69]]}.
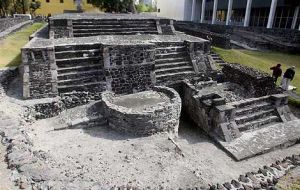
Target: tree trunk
{"points": [[132, 7], [23, 3]]}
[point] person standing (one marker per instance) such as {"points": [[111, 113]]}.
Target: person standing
{"points": [[287, 78], [277, 72]]}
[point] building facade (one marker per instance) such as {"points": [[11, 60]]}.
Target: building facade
{"points": [[258, 13], [54, 7]]}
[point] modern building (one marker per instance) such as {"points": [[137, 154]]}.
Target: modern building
{"points": [[260, 13], [54, 7]]}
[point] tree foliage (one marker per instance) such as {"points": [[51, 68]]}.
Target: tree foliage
{"points": [[15, 6], [115, 6], [145, 8], [4, 7], [34, 6]]}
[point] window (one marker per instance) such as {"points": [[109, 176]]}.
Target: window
{"points": [[61, 1], [47, 1]]}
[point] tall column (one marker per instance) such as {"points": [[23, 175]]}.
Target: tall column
{"points": [[214, 16], [193, 10], [295, 17], [272, 14], [203, 11], [248, 13], [229, 11]]}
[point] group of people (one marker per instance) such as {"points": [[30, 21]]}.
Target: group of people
{"points": [[288, 76]]}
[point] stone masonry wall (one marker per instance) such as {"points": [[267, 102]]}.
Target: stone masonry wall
{"points": [[39, 73], [216, 117], [163, 118], [198, 53], [256, 82], [129, 68], [6, 76], [219, 35], [60, 28]]}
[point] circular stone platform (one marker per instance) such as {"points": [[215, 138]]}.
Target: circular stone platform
{"points": [[143, 113]]}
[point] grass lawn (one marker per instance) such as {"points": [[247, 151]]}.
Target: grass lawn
{"points": [[10, 54], [262, 61]]}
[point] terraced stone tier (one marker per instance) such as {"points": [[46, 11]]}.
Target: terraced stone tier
{"points": [[84, 25], [263, 140]]}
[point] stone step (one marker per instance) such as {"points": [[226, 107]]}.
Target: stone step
{"points": [[77, 74], [171, 60], [266, 121], [81, 80], [253, 108], [94, 30], [78, 47], [169, 50], [250, 101], [171, 77], [163, 71], [217, 59], [75, 60], [113, 33], [88, 25], [171, 65], [68, 64], [255, 116], [171, 55], [170, 47], [92, 86], [79, 68], [77, 53], [112, 22], [169, 44]]}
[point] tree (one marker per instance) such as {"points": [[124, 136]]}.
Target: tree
{"points": [[115, 6], [34, 6], [4, 7], [20, 6]]}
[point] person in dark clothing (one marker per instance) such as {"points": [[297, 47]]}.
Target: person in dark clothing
{"points": [[276, 72], [287, 78]]}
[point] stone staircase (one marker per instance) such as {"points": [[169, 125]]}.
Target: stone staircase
{"points": [[172, 62], [84, 28], [216, 59], [79, 68], [255, 113]]}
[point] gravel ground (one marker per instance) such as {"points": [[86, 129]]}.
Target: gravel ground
{"points": [[109, 158], [5, 183]]}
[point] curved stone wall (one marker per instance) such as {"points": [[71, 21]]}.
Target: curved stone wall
{"points": [[153, 118]]}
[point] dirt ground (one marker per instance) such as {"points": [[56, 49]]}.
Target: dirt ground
{"points": [[109, 158], [5, 182]]}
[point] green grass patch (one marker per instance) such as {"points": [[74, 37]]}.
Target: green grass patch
{"points": [[262, 61], [10, 53]]}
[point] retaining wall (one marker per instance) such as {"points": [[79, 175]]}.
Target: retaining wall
{"points": [[6, 23], [254, 81], [6, 77], [277, 39], [129, 68], [162, 118]]}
